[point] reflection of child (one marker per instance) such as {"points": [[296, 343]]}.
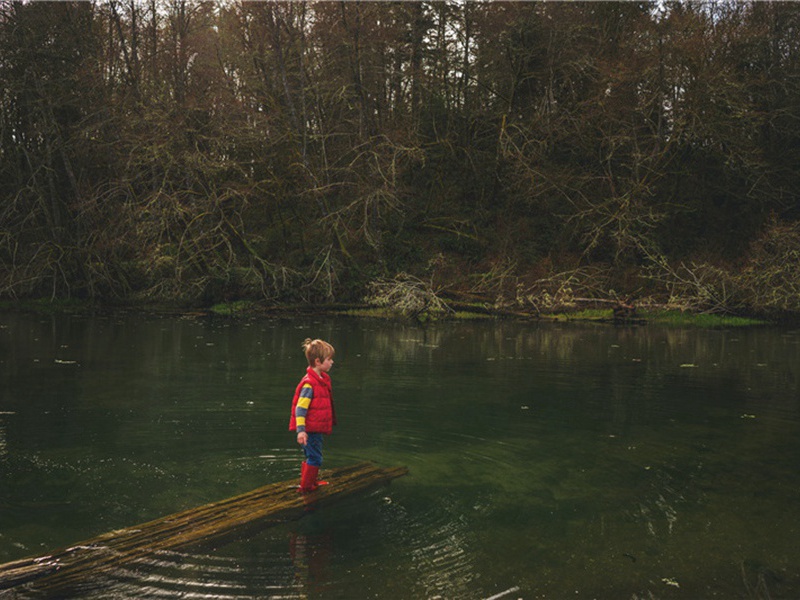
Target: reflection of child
{"points": [[311, 557], [313, 414]]}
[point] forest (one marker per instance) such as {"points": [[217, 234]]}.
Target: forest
{"points": [[523, 155]]}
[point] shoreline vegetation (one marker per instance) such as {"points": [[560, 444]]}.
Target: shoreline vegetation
{"points": [[660, 315], [429, 160]]}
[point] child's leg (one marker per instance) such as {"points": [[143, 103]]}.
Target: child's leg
{"points": [[313, 453], [313, 449]]}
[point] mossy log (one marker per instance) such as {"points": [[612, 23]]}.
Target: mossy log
{"points": [[265, 506]]}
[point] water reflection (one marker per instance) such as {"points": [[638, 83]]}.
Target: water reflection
{"points": [[546, 459], [311, 557], [3, 450]]}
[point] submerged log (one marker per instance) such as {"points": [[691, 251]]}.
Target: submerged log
{"points": [[265, 506]]}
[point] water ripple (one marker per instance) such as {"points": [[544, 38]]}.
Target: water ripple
{"points": [[170, 574]]}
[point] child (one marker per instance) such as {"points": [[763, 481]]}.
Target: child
{"points": [[313, 414]]}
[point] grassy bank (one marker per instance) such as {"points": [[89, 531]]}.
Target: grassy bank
{"points": [[672, 318], [460, 312]]}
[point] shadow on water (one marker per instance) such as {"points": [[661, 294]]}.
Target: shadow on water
{"points": [[546, 460]]}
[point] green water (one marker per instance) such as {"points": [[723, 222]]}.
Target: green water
{"points": [[547, 461]]}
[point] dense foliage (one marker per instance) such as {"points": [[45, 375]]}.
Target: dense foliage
{"points": [[178, 150]]}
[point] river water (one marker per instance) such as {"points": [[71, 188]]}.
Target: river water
{"points": [[546, 460]]}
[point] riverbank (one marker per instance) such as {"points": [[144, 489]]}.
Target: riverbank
{"points": [[455, 311]]}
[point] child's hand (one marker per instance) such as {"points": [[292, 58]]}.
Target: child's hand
{"points": [[302, 438]]}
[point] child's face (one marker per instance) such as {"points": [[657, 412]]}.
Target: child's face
{"points": [[325, 365]]}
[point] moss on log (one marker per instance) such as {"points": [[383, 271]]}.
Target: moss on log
{"points": [[265, 506]]}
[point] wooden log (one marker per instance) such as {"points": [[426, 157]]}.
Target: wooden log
{"points": [[265, 506]]}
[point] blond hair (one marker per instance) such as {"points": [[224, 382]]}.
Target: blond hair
{"points": [[317, 349]]}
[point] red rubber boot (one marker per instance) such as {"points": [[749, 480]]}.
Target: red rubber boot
{"points": [[317, 482], [303, 468], [308, 478], [309, 482]]}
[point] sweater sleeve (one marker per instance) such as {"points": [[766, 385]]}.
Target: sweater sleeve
{"points": [[303, 402]]}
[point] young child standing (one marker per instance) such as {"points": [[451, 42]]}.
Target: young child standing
{"points": [[313, 414]]}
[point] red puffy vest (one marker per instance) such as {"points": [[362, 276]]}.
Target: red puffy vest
{"points": [[321, 416]]}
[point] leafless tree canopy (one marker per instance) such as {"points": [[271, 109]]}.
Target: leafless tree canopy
{"points": [[181, 150]]}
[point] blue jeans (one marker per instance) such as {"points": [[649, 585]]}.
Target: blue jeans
{"points": [[313, 449]]}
